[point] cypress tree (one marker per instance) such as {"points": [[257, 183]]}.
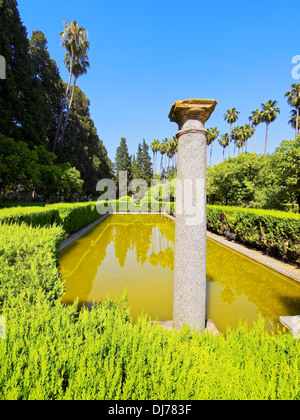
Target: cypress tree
{"points": [[81, 146], [123, 160], [144, 162], [21, 101], [50, 82]]}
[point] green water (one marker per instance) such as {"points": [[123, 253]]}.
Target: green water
{"points": [[136, 252]]}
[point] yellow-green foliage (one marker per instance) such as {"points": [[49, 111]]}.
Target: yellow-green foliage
{"points": [[33, 216], [28, 261], [72, 217], [76, 216], [52, 352]]}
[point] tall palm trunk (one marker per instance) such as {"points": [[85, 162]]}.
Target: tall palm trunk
{"points": [[266, 144], [297, 122], [63, 107], [153, 164], [69, 109], [230, 129], [211, 149], [255, 139]]}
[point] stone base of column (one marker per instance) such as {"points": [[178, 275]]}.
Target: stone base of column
{"points": [[210, 327]]}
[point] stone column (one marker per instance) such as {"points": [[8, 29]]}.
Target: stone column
{"points": [[191, 225]]}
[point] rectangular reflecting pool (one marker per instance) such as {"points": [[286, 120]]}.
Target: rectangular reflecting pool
{"points": [[136, 252]]}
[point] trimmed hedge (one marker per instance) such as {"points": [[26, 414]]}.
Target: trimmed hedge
{"points": [[276, 233], [33, 216], [28, 262], [72, 217]]}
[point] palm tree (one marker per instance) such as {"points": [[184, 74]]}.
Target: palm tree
{"points": [[176, 143], [213, 134], [294, 119], [75, 43], [155, 148], [235, 135], [293, 98], [224, 142], [173, 150], [241, 139], [170, 153], [163, 151], [269, 114], [255, 119], [80, 67], [231, 116], [248, 133]]}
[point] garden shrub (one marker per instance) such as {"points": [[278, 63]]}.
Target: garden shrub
{"points": [[72, 217], [276, 233], [33, 216], [76, 216], [28, 261]]}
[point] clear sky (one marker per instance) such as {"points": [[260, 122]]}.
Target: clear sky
{"points": [[145, 55]]}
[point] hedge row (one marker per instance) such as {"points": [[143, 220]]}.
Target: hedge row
{"points": [[72, 217], [33, 216], [276, 233]]}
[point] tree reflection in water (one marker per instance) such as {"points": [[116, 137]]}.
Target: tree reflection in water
{"points": [[137, 252], [132, 251]]}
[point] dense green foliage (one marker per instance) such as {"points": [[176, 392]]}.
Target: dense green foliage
{"points": [[76, 216], [31, 101], [249, 180], [55, 352], [276, 233], [32, 216], [24, 170], [72, 217]]}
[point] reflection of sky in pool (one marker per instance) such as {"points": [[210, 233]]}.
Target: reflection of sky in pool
{"points": [[137, 252]]}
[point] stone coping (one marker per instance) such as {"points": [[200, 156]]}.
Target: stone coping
{"points": [[168, 325], [292, 323], [75, 236]]}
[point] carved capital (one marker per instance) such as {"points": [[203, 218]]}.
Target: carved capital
{"points": [[192, 109]]}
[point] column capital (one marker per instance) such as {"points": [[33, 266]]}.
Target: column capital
{"points": [[192, 109]]}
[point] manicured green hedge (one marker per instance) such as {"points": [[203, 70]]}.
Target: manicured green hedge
{"points": [[28, 262], [76, 216], [54, 353], [276, 233], [33, 216], [72, 217]]}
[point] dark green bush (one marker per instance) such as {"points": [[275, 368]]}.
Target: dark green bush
{"points": [[276, 233], [76, 216]]}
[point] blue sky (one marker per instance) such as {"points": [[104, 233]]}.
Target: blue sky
{"points": [[145, 55]]}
